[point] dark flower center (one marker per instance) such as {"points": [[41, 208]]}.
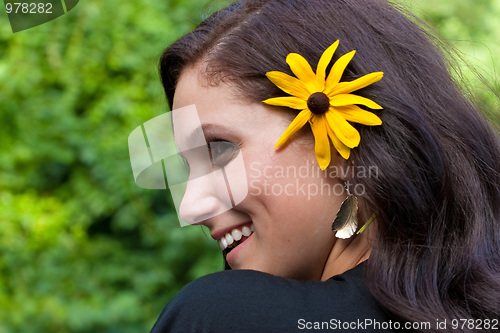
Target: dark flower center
{"points": [[318, 103]]}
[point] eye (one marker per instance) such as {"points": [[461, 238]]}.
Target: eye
{"points": [[222, 152]]}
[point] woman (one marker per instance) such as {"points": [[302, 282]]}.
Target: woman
{"points": [[387, 136]]}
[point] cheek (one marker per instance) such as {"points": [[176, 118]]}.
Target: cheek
{"points": [[288, 182], [290, 186]]}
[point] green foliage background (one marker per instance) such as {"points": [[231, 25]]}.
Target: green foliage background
{"points": [[82, 248]]}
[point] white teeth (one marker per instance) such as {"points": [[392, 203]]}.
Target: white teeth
{"points": [[229, 239], [246, 231], [252, 228], [236, 234]]}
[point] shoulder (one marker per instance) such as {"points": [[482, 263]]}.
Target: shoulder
{"points": [[238, 284], [253, 285], [224, 301], [251, 301]]}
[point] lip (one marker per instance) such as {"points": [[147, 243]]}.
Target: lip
{"points": [[218, 234], [231, 256]]}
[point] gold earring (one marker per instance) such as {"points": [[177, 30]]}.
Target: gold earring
{"points": [[346, 221]]}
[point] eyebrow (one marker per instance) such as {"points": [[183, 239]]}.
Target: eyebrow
{"points": [[195, 134], [205, 129]]}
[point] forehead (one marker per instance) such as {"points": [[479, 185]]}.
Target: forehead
{"points": [[223, 108], [199, 108], [193, 87], [220, 104]]}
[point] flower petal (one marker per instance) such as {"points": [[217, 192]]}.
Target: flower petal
{"points": [[349, 99], [289, 101], [348, 87], [337, 71], [347, 134], [321, 142], [355, 114], [294, 126], [303, 71], [289, 84], [342, 149], [323, 63]]}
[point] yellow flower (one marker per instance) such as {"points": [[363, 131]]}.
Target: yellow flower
{"points": [[325, 102]]}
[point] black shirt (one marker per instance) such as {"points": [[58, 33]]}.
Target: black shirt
{"points": [[251, 301]]}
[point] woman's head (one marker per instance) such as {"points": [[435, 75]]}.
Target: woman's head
{"points": [[290, 203], [437, 185]]}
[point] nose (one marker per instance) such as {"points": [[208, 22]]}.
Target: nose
{"points": [[204, 198]]}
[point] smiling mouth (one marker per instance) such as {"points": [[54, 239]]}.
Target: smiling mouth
{"points": [[234, 238]]}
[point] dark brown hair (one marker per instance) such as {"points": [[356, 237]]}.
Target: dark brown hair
{"points": [[437, 249]]}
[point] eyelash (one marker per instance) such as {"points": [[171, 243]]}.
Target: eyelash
{"points": [[210, 139], [225, 158]]}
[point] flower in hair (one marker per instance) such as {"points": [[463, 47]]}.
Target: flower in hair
{"points": [[325, 102]]}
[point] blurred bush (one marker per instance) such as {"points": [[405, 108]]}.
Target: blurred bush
{"points": [[82, 248], [473, 30]]}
